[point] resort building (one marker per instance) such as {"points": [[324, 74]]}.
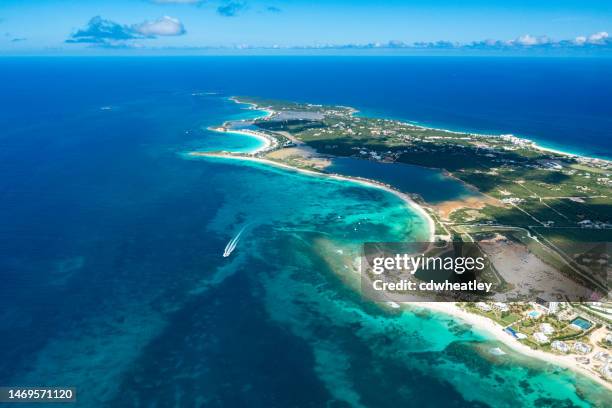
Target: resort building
{"points": [[553, 307], [547, 329], [581, 347], [502, 307], [560, 346], [546, 307], [603, 356], [483, 306], [540, 337]]}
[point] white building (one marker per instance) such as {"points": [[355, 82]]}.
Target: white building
{"points": [[560, 346], [547, 329], [603, 357], [545, 306], [483, 306], [581, 347], [553, 307], [540, 337], [502, 307]]}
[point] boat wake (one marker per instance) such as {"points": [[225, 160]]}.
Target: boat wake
{"points": [[231, 245]]}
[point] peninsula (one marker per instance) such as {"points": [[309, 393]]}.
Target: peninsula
{"points": [[532, 210]]}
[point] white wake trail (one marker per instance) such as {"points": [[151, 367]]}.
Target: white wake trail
{"points": [[231, 245]]}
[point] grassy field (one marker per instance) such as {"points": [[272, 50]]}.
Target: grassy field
{"points": [[558, 199]]}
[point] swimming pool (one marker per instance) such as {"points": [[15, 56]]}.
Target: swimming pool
{"points": [[582, 324]]}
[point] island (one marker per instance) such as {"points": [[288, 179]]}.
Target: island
{"points": [[528, 207]]}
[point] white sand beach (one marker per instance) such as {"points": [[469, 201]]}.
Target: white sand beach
{"points": [[494, 329], [448, 308], [269, 143]]}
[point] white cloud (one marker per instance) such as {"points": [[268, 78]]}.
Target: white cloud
{"points": [[165, 26], [529, 40], [598, 38], [107, 33]]}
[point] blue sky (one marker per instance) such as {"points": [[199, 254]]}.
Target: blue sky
{"points": [[240, 26]]}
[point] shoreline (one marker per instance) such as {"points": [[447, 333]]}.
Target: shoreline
{"points": [[446, 308], [533, 143], [369, 183], [252, 106], [496, 331], [268, 142]]}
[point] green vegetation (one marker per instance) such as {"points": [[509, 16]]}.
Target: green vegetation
{"points": [[503, 318], [554, 199], [541, 189]]}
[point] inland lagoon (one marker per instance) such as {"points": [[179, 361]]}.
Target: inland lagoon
{"points": [[430, 184]]}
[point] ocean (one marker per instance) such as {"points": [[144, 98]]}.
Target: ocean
{"points": [[111, 237]]}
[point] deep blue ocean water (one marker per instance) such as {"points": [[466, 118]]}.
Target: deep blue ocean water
{"points": [[111, 240], [562, 102]]}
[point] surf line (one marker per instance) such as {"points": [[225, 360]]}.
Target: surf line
{"points": [[231, 245]]}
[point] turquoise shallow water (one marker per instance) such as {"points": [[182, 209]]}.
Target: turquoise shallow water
{"points": [[111, 244], [228, 141], [231, 141]]}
